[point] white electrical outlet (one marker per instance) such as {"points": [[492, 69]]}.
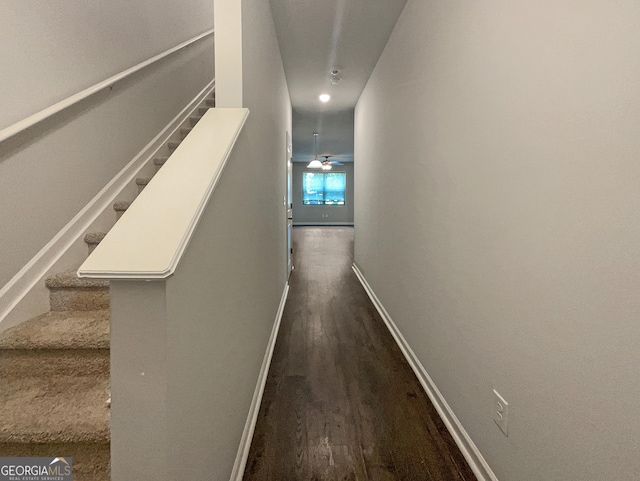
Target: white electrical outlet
{"points": [[501, 412]]}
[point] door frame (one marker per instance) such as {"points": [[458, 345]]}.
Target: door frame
{"points": [[289, 202]]}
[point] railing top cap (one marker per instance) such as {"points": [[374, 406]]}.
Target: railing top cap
{"points": [[149, 240]]}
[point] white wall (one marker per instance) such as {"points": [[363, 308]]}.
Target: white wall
{"points": [[322, 214], [218, 310], [51, 50], [497, 208], [242, 264], [48, 52], [264, 168]]}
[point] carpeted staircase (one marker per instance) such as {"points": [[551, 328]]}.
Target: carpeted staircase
{"points": [[54, 368]]}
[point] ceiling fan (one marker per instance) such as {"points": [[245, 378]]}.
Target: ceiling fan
{"points": [[317, 164], [326, 163]]}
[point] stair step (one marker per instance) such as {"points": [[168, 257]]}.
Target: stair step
{"points": [[68, 292], [159, 162], [19, 363], [60, 330], [120, 207], [194, 119], [184, 133], [211, 102], [142, 182], [92, 239], [59, 342], [62, 409], [202, 110], [173, 145]]}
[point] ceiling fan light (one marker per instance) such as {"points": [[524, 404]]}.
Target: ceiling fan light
{"points": [[326, 166], [315, 164]]}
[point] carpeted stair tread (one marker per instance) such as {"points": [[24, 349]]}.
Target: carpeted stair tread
{"points": [[68, 292], [62, 409], [60, 330], [69, 279], [184, 132], [121, 205], [143, 180], [194, 119], [21, 363], [94, 237], [202, 110]]}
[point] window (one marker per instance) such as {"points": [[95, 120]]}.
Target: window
{"points": [[323, 188]]}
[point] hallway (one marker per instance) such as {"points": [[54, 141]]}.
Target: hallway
{"points": [[341, 402]]}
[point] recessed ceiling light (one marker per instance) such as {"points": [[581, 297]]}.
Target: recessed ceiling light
{"points": [[325, 98], [336, 80]]}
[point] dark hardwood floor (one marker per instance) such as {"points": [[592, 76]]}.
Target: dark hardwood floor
{"points": [[341, 402]]}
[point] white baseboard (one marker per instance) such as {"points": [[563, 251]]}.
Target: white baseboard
{"points": [[301, 224], [25, 295], [476, 461], [250, 426]]}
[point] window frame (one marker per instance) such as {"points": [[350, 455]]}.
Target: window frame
{"points": [[325, 173]]}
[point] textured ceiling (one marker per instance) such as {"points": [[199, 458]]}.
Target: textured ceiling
{"points": [[315, 36]]}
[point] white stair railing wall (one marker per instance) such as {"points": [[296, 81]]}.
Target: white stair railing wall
{"points": [[186, 341]]}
